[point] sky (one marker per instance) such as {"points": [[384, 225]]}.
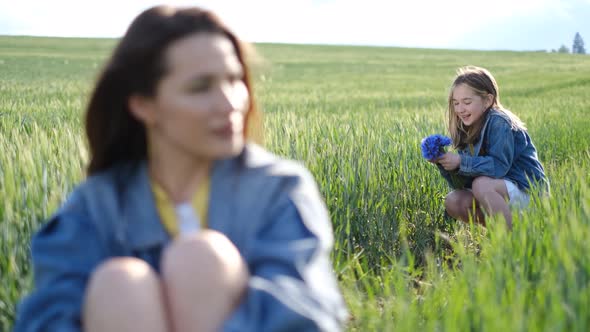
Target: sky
{"points": [[451, 24]]}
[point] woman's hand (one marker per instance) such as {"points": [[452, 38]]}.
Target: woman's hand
{"points": [[449, 161]]}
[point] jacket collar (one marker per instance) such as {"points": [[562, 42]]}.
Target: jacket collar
{"points": [[144, 228], [477, 146]]}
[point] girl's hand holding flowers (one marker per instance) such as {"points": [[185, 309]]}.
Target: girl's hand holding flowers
{"points": [[449, 161], [434, 150], [433, 146]]}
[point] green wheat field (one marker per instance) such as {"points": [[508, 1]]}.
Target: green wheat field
{"points": [[355, 117]]}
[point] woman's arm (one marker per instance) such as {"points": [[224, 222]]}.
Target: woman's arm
{"points": [[292, 287], [64, 252]]}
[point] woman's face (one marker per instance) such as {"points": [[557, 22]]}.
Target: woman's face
{"points": [[469, 106], [200, 103]]}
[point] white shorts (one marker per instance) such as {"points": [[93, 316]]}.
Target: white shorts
{"points": [[518, 198]]}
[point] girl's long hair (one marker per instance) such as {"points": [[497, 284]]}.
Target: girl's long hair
{"points": [[481, 81]]}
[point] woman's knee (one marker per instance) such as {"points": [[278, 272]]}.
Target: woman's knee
{"points": [[205, 277], [209, 257], [120, 292], [123, 274]]}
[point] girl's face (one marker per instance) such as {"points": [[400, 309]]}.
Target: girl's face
{"points": [[199, 106], [469, 106]]}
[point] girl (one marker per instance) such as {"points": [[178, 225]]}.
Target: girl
{"points": [[496, 160], [181, 225]]}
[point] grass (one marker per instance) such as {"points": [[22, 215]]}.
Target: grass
{"points": [[354, 116]]}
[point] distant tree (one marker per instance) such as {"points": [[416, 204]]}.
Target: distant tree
{"points": [[578, 47], [563, 49]]}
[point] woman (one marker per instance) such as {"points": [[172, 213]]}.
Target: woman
{"points": [[181, 225]]}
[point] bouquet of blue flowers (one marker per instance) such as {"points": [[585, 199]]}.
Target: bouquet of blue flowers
{"points": [[433, 146]]}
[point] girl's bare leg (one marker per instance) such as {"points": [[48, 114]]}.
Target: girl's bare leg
{"points": [[492, 195], [461, 204]]}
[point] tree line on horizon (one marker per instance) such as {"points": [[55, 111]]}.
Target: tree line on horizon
{"points": [[577, 46]]}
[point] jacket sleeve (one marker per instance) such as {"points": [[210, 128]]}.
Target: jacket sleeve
{"points": [[292, 285], [64, 252], [500, 153]]}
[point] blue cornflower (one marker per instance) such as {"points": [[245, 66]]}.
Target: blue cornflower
{"points": [[433, 146]]}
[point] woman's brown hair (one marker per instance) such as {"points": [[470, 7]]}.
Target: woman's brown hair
{"points": [[135, 67]]}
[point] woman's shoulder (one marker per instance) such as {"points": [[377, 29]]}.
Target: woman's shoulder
{"points": [[109, 181], [90, 205], [98, 194], [262, 162], [262, 171], [266, 183]]}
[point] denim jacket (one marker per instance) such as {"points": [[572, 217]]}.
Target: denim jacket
{"points": [[268, 207], [501, 152]]}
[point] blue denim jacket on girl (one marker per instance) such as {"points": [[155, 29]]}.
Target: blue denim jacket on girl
{"points": [[502, 153], [268, 207]]}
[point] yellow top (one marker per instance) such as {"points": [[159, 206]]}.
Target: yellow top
{"points": [[166, 210]]}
